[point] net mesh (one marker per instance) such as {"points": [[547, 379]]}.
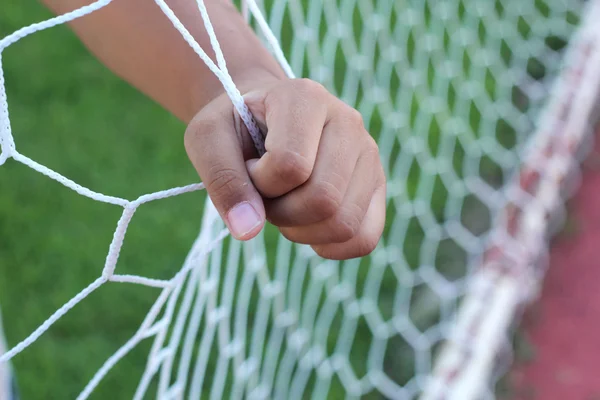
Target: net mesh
{"points": [[475, 143]]}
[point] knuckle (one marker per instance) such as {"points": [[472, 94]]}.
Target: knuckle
{"points": [[371, 153], [291, 167], [223, 183], [325, 199], [198, 129], [309, 86], [382, 179], [371, 145], [346, 226], [190, 137], [355, 117]]}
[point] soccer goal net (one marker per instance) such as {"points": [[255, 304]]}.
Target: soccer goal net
{"points": [[480, 109]]}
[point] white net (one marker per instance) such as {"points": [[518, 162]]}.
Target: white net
{"points": [[476, 134]]}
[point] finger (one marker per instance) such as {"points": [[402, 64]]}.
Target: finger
{"points": [[368, 237], [295, 114], [322, 195], [215, 150], [344, 224]]}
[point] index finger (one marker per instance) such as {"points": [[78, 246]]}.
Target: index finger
{"points": [[294, 114]]}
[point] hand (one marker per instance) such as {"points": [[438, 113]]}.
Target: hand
{"points": [[320, 182]]}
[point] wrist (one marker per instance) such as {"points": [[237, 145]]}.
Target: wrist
{"points": [[249, 62], [255, 78]]}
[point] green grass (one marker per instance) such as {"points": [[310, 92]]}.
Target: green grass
{"points": [[71, 114]]}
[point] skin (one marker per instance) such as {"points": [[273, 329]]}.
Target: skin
{"points": [[320, 182]]}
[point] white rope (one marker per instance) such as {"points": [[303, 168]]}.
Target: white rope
{"points": [[495, 294], [7, 144], [272, 346], [69, 183], [6, 377], [59, 20], [270, 37], [140, 280], [50, 321], [140, 334], [220, 71]]}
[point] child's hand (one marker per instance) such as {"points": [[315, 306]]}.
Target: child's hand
{"points": [[321, 180]]}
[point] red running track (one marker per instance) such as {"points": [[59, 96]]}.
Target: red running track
{"points": [[564, 326]]}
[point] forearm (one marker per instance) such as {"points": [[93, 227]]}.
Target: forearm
{"points": [[137, 41]]}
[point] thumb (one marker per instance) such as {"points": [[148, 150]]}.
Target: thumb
{"points": [[216, 151]]}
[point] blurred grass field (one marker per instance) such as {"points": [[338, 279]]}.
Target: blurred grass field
{"points": [[71, 114]]}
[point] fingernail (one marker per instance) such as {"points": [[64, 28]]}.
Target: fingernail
{"points": [[243, 219]]}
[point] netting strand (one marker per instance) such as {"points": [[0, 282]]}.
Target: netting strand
{"points": [[220, 71], [509, 275], [479, 113]]}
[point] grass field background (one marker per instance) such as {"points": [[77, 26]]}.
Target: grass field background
{"points": [[71, 114]]}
